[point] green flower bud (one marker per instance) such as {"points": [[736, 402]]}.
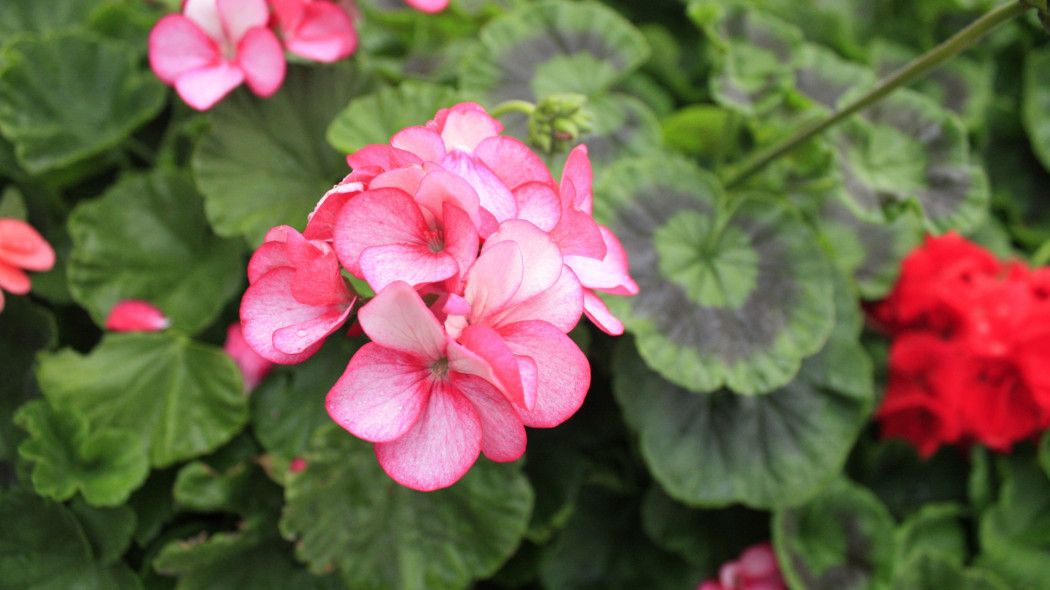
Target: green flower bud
{"points": [[558, 121]]}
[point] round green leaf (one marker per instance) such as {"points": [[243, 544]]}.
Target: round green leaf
{"points": [[375, 117], [182, 398], [931, 571], [265, 162], [730, 295], [346, 514], [841, 540], [105, 465], [68, 97], [109, 530], [552, 47], [147, 238]]}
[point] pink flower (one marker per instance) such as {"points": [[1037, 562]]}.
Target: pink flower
{"points": [[415, 393], [213, 47], [315, 29], [296, 297], [135, 315], [253, 367], [430, 6], [755, 569], [21, 249]]}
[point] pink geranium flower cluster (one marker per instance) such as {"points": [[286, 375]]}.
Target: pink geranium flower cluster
{"points": [[22, 248], [970, 359], [755, 569], [481, 264], [214, 46]]}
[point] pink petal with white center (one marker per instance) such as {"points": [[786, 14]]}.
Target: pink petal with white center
{"points": [[254, 368], [493, 195], [135, 315], [600, 315], [563, 376], [382, 156], [512, 161], [381, 394], [13, 280], [502, 433], [538, 204], [380, 217], [440, 448], [260, 56], [240, 16], [541, 257], [487, 344], [22, 246], [608, 274], [204, 87], [439, 187], [420, 141], [293, 340], [268, 306], [205, 13], [397, 318], [415, 264], [577, 171], [461, 238], [177, 45], [560, 305], [465, 128], [493, 280], [428, 6], [325, 33]]}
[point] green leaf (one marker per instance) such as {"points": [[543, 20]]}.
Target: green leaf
{"points": [[43, 547], [767, 451], [545, 48], [265, 162], [182, 398], [43, 16], [841, 540], [931, 571], [1035, 103], [1015, 532], [733, 295], [68, 97], [375, 117], [106, 465], [24, 329], [147, 238], [905, 482], [346, 514], [603, 547], [242, 489], [109, 530], [935, 528]]}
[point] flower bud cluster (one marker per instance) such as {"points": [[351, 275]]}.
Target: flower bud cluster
{"points": [[755, 569], [481, 264], [970, 358]]}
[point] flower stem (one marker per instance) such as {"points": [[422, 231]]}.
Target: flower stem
{"points": [[907, 74], [521, 106]]}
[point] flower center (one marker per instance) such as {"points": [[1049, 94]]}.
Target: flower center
{"points": [[435, 240], [439, 370]]}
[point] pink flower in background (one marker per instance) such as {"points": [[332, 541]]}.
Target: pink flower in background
{"points": [[21, 248], [430, 6], [755, 569], [296, 297], [317, 30], [213, 47], [254, 368], [135, 315]]}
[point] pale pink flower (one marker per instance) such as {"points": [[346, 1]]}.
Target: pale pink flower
{"points": [[21, 248], [213, 47], [430, 6], [317, 30], [254, 368], [296, 297], [755, 569], [416, 393], [136, 315]]}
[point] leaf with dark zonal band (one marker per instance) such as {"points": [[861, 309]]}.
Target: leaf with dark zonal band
{"points": [[735, 298], [265, 162], [841, 540], [180, 397], [764, 451], [177, 263], [346, 514]]}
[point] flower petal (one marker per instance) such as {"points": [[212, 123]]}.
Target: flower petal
{"points": [[487, 344], [430, 6], [503, 434], [563, 374], [238, 17], [268, 306], [420, 141], [397, 318], [202, 88], [135, 315], [298, 338], [414, 264], [513, 162], [325, 34], [261, 58], [177, 46], [378, 217], [24, 247], [13, 280]]}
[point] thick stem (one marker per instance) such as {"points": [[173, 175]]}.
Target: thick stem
{"points": [[521, 106], [907, 74]]}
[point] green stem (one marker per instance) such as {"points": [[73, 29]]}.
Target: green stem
{"points": [[522, 106], [907, 74]]}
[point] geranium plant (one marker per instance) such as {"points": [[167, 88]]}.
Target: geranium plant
{"points": [[503, 294]]}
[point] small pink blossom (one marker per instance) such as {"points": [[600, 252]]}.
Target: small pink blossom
{"points": [[135, 315], [21, 248], [317, 30], [296, 465], [430, 6], [213, 47], [755, 569], [253, 367]]}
